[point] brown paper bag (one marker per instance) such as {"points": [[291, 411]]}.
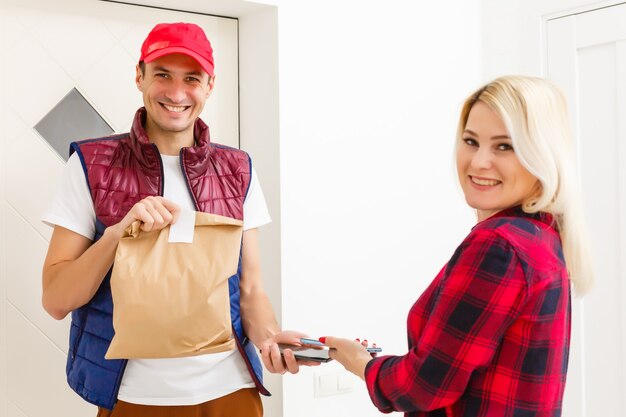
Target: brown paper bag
{"points": [[171, 299]]}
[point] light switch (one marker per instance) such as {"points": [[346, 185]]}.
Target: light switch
{"points": [[333, 383], [325, 384], [345, 382]]}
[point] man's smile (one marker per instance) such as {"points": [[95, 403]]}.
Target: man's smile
{"points": [[175, 109]]}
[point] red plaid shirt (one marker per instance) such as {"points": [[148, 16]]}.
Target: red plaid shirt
{"points": [[490, 336]]}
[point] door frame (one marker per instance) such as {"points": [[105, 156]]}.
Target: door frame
{"points": [[545, 18], [581, 387]]}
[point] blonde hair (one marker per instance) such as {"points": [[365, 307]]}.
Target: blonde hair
{"points": [[534, 112]]}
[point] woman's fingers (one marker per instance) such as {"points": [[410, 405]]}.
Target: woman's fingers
{"points": [[349, 353]]}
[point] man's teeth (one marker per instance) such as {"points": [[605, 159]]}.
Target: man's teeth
{"points": [[484, 182], [177, 109]]}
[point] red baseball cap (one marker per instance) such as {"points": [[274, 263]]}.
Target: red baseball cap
{"points": [[178, 38]]}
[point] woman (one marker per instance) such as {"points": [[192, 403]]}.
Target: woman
{"points": [[490, 335]]}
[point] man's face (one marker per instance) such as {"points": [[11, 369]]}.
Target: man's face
{"points": [[175, 88]]}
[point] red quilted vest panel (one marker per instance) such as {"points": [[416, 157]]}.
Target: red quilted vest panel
{"points": [[123, 169]]}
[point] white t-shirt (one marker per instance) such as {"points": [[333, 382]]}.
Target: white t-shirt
{"points": [[176, 381]]}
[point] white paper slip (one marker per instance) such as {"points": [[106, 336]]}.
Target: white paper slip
{"points": [[182, 230]]}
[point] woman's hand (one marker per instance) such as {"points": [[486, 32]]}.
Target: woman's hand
{"points": [[350, 353]]}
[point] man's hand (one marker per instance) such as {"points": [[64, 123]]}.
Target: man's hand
{"points": [[279, 364], [154, 213], [75, 266]]}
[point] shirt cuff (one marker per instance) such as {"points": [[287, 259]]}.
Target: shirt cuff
{"points": [[372, 370]]}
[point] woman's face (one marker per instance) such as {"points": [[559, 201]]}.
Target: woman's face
{"points": [[491, 176]]}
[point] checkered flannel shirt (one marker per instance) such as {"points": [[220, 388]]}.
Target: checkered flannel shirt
{"points": [[490, 336]]}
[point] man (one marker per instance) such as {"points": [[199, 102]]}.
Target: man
{"points": [[165, 163]]}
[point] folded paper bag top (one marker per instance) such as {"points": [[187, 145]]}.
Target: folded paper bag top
{"points": [[171, 299]]}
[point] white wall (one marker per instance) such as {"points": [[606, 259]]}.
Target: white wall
{"points": [[369, 96]]}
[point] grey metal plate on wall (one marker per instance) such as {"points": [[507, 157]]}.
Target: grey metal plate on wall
{"points": [[73, 118]]}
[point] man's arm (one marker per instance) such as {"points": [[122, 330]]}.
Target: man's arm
{"points": [[74, 267], [257, 315]]}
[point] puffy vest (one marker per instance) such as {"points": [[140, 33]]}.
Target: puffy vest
{"points": [[122, 170]]}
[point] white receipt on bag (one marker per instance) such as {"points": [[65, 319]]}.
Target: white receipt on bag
{"points": [[182, 230]]}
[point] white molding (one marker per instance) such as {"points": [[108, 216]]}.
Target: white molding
{"points": [[222, 8], [581, 9], [621, 134], [3, 207]]}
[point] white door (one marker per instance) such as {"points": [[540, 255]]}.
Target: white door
{"points": [[586, 56], [48, 49]]}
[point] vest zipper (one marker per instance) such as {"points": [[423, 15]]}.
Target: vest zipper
{"points": [[238, 342], [162, 178], [118, 383], [246, 360], [182, 168]]}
